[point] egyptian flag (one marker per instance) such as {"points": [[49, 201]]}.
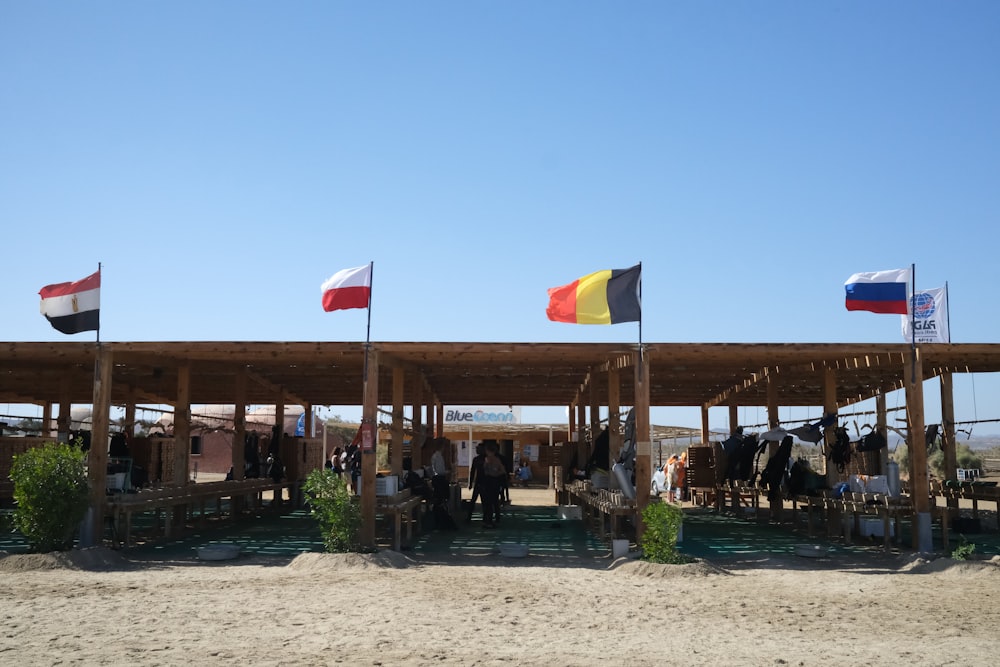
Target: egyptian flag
{"points": [[348, 288], [602, 297], [878, 292], [73, 307]]}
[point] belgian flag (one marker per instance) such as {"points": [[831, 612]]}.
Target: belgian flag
{"points": [[603, 297]]}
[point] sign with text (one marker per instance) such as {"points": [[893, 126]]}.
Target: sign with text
{"points": [[479, 415]]}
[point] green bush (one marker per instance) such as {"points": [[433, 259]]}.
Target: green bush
{"points": [[659, 540], [51, 493], [331, 504], [966, 458], [964, 550]]}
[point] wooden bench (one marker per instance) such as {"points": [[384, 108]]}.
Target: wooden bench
{"points": [[403, 508], [120, 507]]}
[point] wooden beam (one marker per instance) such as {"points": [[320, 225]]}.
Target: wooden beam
{"points": [[396, 443], [643, 466], [369, 420], [98, 457]]}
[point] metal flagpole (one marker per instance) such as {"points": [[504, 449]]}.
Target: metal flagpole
{"points": [[98, 311], [368, 331], [947, 305], [640, 320]]}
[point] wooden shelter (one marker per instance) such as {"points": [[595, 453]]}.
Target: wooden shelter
{"points": [[434, 375]]}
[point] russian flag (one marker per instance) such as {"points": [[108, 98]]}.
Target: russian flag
{"points": [[348, 288], [879, 291], [73, 307]]}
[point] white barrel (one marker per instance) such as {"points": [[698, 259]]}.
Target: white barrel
{"points": [[893, 478]]}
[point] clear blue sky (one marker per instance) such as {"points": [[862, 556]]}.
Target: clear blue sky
{"points": [[222, 159]]}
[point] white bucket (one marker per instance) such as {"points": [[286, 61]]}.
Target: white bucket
{"points": [[619, 548]]}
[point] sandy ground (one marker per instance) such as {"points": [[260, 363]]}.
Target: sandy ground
{"points": [[95, 606]]}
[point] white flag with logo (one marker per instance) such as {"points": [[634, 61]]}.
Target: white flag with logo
{"points": [[929, 317]]}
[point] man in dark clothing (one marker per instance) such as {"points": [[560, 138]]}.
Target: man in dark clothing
{"points": [[475, 479]]}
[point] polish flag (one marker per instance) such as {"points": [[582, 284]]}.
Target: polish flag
{"points": [[348, 288]]}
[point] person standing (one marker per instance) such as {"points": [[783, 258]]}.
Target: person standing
{"points": [[494, 473], [439, 472], [475, 479], [680, 473]]}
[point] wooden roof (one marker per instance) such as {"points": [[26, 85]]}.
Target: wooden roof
{"points": [[529, 374]]}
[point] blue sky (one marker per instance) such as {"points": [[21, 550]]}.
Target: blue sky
{"points": [[222, 159]]}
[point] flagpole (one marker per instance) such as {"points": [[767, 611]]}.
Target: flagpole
{"points": [[913, 322], [98, 312], [640, 320], [368, 331], [947, 304], [913, 310]]}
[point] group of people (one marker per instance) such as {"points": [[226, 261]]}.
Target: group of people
{"points": [[674, 472], [489, 481]]}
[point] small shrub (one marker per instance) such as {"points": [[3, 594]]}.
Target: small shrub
{"points": [[964, 550], [331, 504], [51, 493], [659, 540]]}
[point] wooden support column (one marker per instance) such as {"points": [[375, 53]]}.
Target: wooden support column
{"points": [[643, 468], [239, 424], [614, 413], [439, 419], [706, 435], [47, 419], [65, 419], [581, 432], [881, 427], [396, 443], [307, 421], [913, 375], [369, 436], [773, 421], [182, 427], [834, 523], [734, 418], [182, 442], [829, 433], [948, 443], [129, 426], [97, 459], [571, 430], [417, 425], [595, 419]]}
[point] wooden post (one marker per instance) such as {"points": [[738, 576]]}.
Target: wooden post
{"points": [[773, 421], [182, 439], [614, 411], [47, 419], [417, 424], [581, 436], [882, 427], [913, 375], [595, 419], [705, 432], [97, 459], [239, 423], [65, 419], [643, 468], [834, 523], [571, 426], [396, 444], [369, 420], [948, 443]]}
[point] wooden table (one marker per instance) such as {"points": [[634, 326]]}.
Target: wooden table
{"points": [[121, 506]]}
